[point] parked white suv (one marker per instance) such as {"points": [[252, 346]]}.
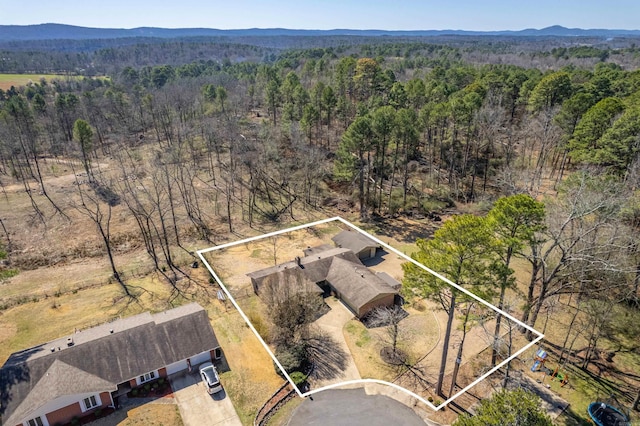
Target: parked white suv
{"points": [[210, 378]]}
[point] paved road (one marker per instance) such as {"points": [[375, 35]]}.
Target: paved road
{"points": [[353, 407], [197, 407]]}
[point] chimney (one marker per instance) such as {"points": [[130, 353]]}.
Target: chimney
{"points": [[69, 341]]}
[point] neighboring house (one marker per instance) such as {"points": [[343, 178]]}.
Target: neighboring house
{"points": [[72, 376], [363, 246], [325, 269]]}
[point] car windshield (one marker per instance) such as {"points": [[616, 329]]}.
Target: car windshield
{"points": [[211, 375]]}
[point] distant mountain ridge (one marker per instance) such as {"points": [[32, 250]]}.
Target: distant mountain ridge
{"points": [[71, 32]]}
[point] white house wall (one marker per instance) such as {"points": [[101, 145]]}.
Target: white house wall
{"points": [[200, 358], [177, 367]]}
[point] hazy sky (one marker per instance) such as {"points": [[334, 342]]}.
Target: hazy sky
{"points": [[327, 14]]}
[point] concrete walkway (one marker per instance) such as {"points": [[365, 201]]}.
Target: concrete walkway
{"points": [[197, 407], [332, 323]]}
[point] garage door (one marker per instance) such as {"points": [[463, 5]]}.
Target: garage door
{"points": [[177, 366], [200, 358]]}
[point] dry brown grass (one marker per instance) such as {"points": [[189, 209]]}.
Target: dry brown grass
{"points": [[284, 413], [251, 378], [149, 414], [33, 323], [418, 335]]}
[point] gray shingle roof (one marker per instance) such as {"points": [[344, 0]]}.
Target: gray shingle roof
{"points": [[340, 266], [102, 357], [315, 266], [354, 241], [356, 284], [392, 282], [310, 251], [290, 281]]}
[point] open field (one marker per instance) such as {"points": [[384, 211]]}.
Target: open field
{"points": [[17, 80]]}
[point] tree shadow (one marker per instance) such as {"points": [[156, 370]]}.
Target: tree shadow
{"points": [[328, 358], [401, 232]]}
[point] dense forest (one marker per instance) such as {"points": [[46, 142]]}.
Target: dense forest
{"points": [[206, 137]]}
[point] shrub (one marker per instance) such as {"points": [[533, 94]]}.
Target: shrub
{"points": [[260, 325], [298, 378], [291, 357]]}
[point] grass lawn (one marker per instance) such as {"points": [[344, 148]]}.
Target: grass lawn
{"points": [[42, 319], [602, 378], [418, 334], [17, 80], [284, 413], [251, 378], [145, 415]]}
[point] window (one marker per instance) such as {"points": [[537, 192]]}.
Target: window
{"points": [[35, 422], [147, 377], [91, 402]]}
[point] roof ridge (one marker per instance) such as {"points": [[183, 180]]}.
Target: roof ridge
{"points": [[60, 379]]}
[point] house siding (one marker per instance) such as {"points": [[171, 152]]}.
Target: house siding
{"points": [[387, 300], [200, 358], [105, 397], [66, 414]]}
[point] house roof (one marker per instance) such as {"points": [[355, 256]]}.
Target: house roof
{"points": [[58, 379], [310, 251], [291, 281], [340, 266], [354, 241], [392, 282], [99, 358], [356, 284], [315, 266]]}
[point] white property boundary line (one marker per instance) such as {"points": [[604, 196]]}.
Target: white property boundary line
{"points": [[387, 247]]}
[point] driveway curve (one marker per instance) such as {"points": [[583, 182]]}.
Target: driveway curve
{"points": [[352, 407]]}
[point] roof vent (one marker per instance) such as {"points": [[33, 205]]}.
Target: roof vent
{"points": [[53, 349], [69, 341], [111, 331]]}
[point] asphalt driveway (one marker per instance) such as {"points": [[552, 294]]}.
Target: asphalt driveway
{"points": [[353, 407], [197, 407]]}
